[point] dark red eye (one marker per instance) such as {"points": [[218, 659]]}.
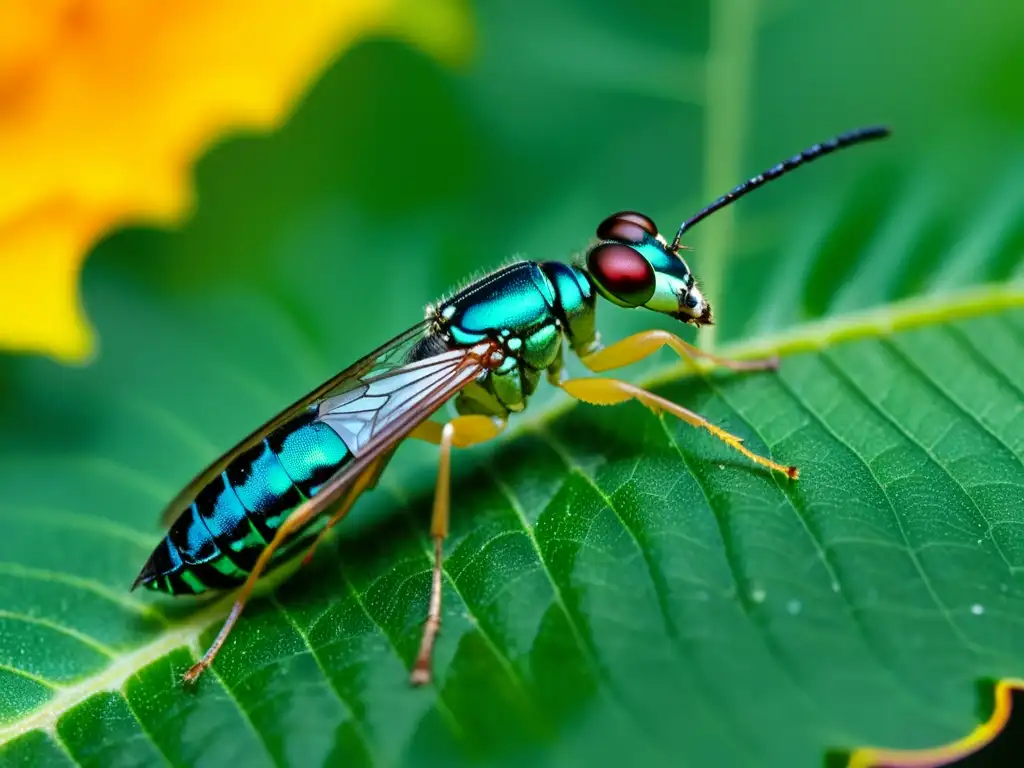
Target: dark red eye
{"points": [[626, 227], [622, 273]]}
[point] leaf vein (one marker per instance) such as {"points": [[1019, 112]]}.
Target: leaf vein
{"points": [[342, 699], [439, 702], [587, 649], [911, 366], [244, 713], [83, 638], [897, 518], [85, 584], [146, 732], [43, 681], [855, 612]]}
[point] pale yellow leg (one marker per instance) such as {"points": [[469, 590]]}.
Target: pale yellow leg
{"points": [[298, 519], [613, 391], [461, 432], [640, 345]]}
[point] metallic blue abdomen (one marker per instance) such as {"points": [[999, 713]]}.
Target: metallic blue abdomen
{"points": [[216, 541], [516, 299]]}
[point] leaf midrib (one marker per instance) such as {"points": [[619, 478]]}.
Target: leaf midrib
{"points": [[810, 337], [114, 677]]}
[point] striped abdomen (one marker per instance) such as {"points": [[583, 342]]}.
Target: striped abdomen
{"points": [[215, 542]]}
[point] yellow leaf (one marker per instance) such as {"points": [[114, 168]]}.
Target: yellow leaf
{"points": [[105, 104]]}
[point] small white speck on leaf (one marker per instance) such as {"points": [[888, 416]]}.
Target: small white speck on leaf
{"points": [[793, 606], [758, 595], [835, 586], [721, 466], [977, 609]]}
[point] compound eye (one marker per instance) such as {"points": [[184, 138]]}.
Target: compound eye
{"points": [[626, 227], [622, 272]]}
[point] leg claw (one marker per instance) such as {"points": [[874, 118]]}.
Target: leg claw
{"points": [[420, 676], [193, 673]]}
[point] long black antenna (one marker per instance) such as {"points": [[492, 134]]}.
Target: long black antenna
{"points": [[811, 153]]}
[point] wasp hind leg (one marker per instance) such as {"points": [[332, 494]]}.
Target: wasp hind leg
{"points": [[640, 345], [460, 432], [294, 523], [364, 482], [601, 391]]}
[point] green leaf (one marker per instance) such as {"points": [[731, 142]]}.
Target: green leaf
{"points": [[612, 575], [619, 586]]}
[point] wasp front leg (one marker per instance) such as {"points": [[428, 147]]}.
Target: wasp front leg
{"points": [[613, 391], [640, 345]]}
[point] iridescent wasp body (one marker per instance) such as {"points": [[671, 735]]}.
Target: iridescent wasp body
{"points": [[486, 348]]}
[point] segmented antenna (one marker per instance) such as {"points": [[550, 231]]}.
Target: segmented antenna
{"points": [[811, 153]]}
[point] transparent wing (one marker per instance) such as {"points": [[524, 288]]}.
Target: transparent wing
{"points": [[401, 383], [391, 406]]}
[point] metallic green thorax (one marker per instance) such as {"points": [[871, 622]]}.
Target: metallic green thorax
{"points": [[529, 308]]}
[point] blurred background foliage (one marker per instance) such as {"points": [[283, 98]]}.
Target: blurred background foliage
{"points": [[399, 176], [104, 105]]}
